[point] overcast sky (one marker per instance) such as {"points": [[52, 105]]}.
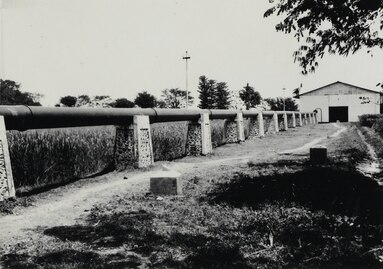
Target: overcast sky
{"points": [[122, 47]]}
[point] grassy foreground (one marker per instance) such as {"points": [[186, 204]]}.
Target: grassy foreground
{"points": [[284, 214]]}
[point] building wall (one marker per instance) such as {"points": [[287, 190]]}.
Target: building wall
{"points": [[358, 101]]}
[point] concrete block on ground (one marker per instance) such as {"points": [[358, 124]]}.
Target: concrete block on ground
{"points": [[166, 183], [318, 155]]}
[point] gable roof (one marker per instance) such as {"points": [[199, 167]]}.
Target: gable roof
{"points": [[343, 84]]}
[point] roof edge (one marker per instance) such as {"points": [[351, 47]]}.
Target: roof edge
{"points": [[341, 83]]}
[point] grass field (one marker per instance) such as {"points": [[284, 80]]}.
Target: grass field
{"points": [[285, 214], [45, 158]]}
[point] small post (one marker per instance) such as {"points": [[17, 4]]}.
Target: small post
{"points": [[7, 187], [294, 120], [261, 128], [310, 119], [198, 140], [276, 124], [166, 183], [285, 122], [133, 145], [300, 124], [315, 116], [305, 118], [240, 127], [318, 155]]}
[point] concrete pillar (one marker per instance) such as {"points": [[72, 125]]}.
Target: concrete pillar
{"points": [[310, 118], [315, 118], [294, 122], [261, 128], [133, 146], [276, 124], [7, 187], [234, 130], [285, 122], [198, 141], [253, 128], [305, 119], [300, 123]]}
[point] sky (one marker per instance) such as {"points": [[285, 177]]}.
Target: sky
{"points": [[122, 47]]}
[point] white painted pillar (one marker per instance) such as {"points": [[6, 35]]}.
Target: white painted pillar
{"points": [[7, 187], [294, 120], [261, 127], [300, 123], [240, 127], [276, 124], [285, 122]]}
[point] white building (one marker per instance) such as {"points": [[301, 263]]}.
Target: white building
{"points": [[341, 101]]}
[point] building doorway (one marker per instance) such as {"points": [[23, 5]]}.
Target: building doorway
{"points": [[338, 113]]}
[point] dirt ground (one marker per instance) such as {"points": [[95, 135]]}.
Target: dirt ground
{"points": [[71, 204]]}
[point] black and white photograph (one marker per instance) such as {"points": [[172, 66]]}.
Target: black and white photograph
{"points": [[180, 134]]}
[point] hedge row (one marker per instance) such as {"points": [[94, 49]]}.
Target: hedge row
{"points": [[369, 119]]}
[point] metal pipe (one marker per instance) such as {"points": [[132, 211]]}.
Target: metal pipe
{"points": [[34, 117]]}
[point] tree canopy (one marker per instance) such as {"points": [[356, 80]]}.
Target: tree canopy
{"points": [[334, 26], [222, 96], [276, 104], [206, 90], [175, 98], [122, 103], [145, 100], [250, 97], [213, 94], [10, 94], [68, 101]]}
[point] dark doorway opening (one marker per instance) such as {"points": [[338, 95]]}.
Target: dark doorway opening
{"points": [[338, 113]]}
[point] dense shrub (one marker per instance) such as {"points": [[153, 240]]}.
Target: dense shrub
{"points": [[369, 119], [378, 126], [48, 157]]}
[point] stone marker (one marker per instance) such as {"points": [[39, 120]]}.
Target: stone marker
{"points": [[166, 183], [318, 155]]}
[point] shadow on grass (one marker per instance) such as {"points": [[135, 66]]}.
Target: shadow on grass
{"points": [[319, 188], [134, 229], [68, 258]]}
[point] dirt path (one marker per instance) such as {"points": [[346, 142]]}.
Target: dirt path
{"points": [[372, 166], [69, 204]]}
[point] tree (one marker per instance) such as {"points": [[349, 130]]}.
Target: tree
{"points": [[206, 89], [122, 103], [145, 100], [84, 100], [10, 94], [334, 26], [175, 98], [68, 101], [101, 101], [276, 104], [222, 96], [250, 97]]}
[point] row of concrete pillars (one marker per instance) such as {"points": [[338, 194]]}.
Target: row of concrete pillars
{"points": [[133, 147]]}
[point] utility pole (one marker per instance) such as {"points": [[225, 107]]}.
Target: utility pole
{"points": [[186, 58], [284, 105]]}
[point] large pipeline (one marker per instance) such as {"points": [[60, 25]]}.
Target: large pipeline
{"points": [[34, 117]]}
